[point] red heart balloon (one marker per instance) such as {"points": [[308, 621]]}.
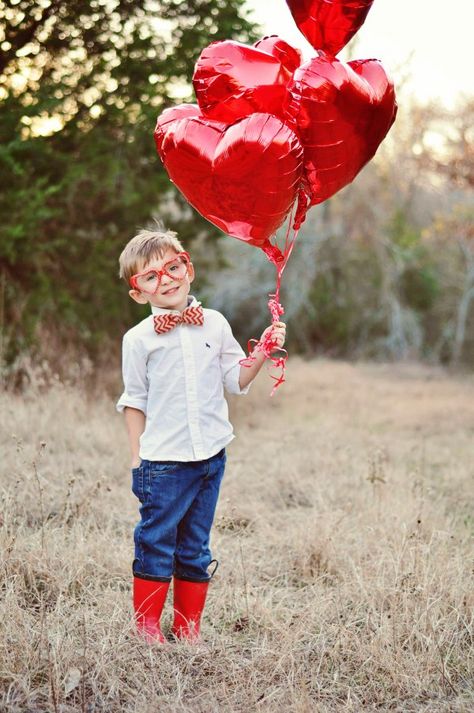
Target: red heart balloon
{"points": [[233, 80], [244, 178], [329, 24], [344, 111]]}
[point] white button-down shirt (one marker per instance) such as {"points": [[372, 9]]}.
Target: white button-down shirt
{"points": [[177, 379]]}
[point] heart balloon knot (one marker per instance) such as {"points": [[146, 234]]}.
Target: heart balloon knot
{"points": [[301, 209], [273, 253]]}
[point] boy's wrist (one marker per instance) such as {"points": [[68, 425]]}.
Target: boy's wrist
{"points": [[258, 355]]}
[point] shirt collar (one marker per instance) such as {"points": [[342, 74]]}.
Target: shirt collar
{"points": [[192, 302]]}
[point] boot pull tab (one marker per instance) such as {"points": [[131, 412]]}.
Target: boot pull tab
{"points": [[215, 568]]}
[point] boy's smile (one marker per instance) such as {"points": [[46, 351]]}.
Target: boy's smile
{"points": [[172, 293]]}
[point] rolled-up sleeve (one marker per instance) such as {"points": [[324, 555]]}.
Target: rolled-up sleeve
{"points": [[135, 378], [231, 354]]}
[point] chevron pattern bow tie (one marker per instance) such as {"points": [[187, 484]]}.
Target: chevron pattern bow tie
{"points": [[166, 322]]}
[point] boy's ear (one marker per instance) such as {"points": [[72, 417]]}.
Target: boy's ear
{"points": [[138, 297], [191, 272]]}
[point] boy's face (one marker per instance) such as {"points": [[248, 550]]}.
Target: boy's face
{"points": [[172, 293]]}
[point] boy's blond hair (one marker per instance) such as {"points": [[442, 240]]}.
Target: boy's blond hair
{"points": [[146, 246]]}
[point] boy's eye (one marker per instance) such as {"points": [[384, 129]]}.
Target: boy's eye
{"points": [[151, 276]]}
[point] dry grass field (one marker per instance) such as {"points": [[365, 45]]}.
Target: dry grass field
{"points": [[344, 534]]}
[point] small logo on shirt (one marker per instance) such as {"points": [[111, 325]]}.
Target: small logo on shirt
{"points": [[208, 345]]}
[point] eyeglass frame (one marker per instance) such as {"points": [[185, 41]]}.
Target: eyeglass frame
{"points": [[159, 273]]}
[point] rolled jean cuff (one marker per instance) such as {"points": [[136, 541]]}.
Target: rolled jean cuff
{"points": [[192, 579], [207, 578], [151, 577]]}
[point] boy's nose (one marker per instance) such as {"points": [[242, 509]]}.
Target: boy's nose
{"points": [[165, 279]]}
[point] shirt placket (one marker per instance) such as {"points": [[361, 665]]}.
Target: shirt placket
{"points": [[191, 392]]}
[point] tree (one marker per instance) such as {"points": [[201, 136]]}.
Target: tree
{"points": [[450, 238], [81, 86]]}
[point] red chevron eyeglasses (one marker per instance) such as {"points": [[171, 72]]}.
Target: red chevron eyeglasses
{"points": [[149, 280]]}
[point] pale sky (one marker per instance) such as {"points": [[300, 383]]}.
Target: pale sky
{"points": [[435, 36]]}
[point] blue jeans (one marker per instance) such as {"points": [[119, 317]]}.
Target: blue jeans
{"points": [[177, 506]]}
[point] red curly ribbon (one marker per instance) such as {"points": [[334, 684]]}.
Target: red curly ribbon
{"points": [[275, 354]]}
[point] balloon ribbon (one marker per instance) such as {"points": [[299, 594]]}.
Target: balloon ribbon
{"points": [[268, 346]]}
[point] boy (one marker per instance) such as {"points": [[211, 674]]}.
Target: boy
{"points": [[176, 363]]}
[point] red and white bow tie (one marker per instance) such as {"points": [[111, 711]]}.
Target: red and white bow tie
{"points": [[191, 315]]}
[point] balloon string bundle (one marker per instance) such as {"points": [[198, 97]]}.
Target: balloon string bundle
{"points": [[268, 346]]}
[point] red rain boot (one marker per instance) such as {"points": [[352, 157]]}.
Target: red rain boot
{"points": [[189, 599], [148, 601]]}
